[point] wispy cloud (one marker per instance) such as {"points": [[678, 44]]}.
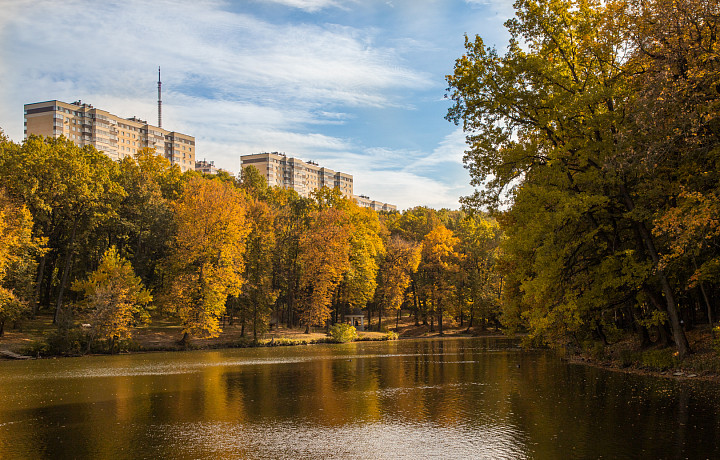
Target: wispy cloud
{"points": [[309, 5], [298, 76]]}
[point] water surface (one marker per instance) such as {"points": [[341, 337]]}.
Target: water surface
{"points": [[451, 398]]}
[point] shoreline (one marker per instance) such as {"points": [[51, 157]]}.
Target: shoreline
{"points": [[31, 341], [159, 339], [674, 374]]}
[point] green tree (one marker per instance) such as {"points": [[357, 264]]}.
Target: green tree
{"points": [[479, 282], [143, 225], [258, 294], [69, 191], [546, 124]]}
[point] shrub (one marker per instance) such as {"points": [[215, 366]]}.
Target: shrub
{"points": [[629, 357], [343, 333], [391, 335], [716, 339], [66, 341], [659, 359]]}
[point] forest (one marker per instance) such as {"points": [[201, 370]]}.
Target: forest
{"points": [[594, 139], [105, 247]]}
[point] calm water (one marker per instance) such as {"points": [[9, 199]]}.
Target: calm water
{"points": [[453, 398]]}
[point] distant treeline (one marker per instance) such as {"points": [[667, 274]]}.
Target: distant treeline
{"points": [[596, 136], [111, 245]]}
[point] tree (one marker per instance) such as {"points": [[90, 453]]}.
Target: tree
{"points": [[291, 222], [366, 248], [18, 250], [479, 282], [69, 191], [258, 295], [142, 227], [324, 258], [206, 263], [115, 299], [439, 265], [546, 125], [400, 262]]}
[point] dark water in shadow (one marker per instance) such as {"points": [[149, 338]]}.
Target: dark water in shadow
{"points": [[453, 398]]}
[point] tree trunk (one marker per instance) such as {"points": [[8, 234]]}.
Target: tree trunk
{"points": [[705, 298], [38, 285], [681, 341], [644, 335], [440, 322], [415, 302], [66, 271]]}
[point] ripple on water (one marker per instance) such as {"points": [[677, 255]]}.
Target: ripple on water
{"points": [[378, 440], [189, 367]]}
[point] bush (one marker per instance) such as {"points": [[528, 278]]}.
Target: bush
{"points": [[343, 333], [629, 357], [67, 341], [391, 335], [716, 339], [595, 350], [659, 359]]}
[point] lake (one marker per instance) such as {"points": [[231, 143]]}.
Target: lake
{"points": [[427, 398]]}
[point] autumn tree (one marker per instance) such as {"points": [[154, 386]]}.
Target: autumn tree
{"points": [[400, 262], [479, 282], [258, 296], [206, 264], [546, 125], [115, 300], [673, 135], [324, 258], [69, 191], [439, 265], [18, 251]]}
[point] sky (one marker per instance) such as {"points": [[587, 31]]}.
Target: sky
{"points": [[357, 86]]}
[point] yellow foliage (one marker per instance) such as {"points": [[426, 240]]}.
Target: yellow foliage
{"points": [[207, 261], [115, 299]]}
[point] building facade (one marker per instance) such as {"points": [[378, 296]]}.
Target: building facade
{"points": [[296, 174], [306, 176], [206, 167], [365, 202], [115, 136]]}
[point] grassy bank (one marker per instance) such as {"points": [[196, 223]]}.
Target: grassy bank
{"points": [[39, 336]]}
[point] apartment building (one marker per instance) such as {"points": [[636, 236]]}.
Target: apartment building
{"points": [[294, 173], [206, 167], [365, 202], [117, 137]]}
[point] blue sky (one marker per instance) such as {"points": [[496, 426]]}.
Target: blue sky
{"points": [[357, 86]]}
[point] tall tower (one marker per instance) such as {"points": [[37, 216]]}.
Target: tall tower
{"points": [[159, 100]]}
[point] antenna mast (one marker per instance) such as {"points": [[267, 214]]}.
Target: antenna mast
{"points": [[159, 100]]}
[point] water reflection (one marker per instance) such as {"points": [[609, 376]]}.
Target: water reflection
{"points": [[453, 398]]}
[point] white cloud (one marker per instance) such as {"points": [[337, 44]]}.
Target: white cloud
{"points": [[308, 5], [241, 84], [78, 49]]}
